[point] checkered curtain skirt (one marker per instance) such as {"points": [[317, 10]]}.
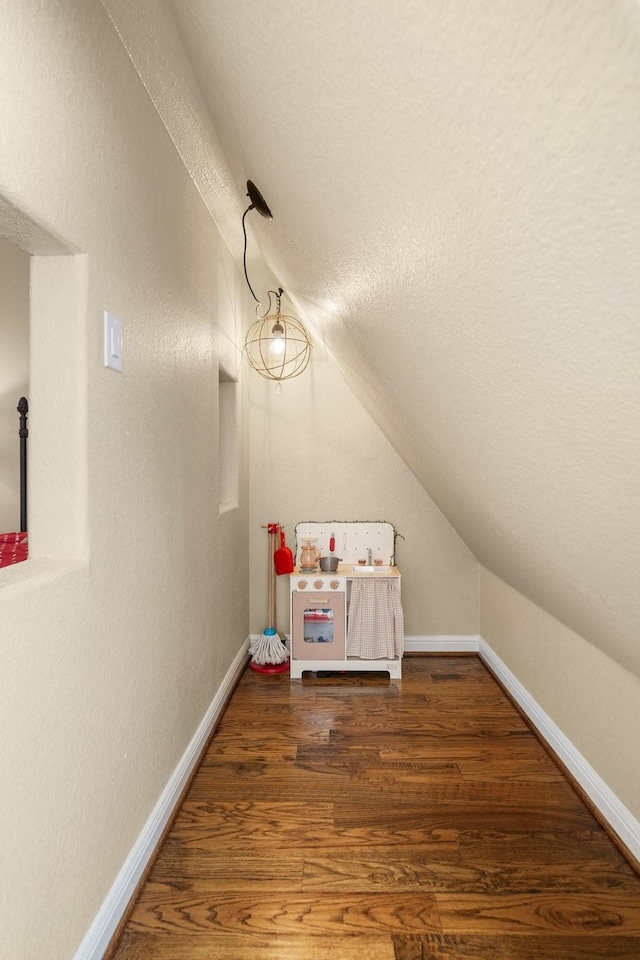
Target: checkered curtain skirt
{"points": [[376, 624]]}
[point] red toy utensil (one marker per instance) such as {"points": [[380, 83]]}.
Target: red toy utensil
{"points": [[283, 558]]}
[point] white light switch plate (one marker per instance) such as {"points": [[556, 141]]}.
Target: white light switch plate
{"points": [[112, 341]]}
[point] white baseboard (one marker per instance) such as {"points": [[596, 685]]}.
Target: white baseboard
{"points": [[106, 922], [619, 818], [443, 644]]}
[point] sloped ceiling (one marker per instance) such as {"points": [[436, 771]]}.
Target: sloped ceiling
{"points": [[456, 195]]}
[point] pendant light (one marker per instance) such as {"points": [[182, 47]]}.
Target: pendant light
{"points": [[277, 346]]}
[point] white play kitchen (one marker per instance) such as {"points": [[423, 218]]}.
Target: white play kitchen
{"points": [[346, 612]]}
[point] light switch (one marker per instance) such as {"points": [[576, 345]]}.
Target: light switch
{"points": [[112, 341]]}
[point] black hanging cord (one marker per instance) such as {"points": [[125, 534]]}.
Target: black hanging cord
{"points": [[258, 203], [23, 433], [244, 256]]}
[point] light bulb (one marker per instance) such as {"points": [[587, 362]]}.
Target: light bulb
{"points": [[278, 345]]}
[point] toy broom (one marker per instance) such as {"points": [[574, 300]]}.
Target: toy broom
{"points": [[268, 652]]}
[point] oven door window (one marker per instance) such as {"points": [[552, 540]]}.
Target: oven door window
{"points": [[318, 625]]}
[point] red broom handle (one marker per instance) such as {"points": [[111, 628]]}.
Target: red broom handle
{"points": [[272, 530]]}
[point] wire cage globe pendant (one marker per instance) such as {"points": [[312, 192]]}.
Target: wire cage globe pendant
{"points": [[277, 346]]}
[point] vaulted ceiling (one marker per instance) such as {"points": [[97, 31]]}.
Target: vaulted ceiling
{"points": [[456, 195]]}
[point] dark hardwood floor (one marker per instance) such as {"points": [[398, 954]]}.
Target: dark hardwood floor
{"points": [[362, 819]]}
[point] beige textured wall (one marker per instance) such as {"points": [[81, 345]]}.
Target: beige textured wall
{"points": [[14, 374], [316, 454], [111, 656], [594, 701]]}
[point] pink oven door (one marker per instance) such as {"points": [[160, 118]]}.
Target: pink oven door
{"points": [[318, 626]]}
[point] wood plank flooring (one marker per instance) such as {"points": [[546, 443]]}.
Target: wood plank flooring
{"points": [[360, 818]]}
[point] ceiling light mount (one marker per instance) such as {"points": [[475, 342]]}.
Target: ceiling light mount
{"points": [[257, 201]]}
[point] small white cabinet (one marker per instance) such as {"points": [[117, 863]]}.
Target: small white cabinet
{"points": [[320, 601], [319, 604]]}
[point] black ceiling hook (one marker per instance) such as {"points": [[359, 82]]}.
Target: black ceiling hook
{"points": [[258, 201]]}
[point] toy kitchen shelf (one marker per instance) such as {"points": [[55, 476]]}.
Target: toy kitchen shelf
{"points": [[319, 600]]}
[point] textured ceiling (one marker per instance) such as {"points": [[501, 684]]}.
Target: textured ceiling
{"points": [[456, 197]]}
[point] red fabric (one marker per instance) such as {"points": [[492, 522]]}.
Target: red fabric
{"points": [[13, 548]]}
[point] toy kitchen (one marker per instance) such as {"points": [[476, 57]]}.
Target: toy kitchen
{"points": [[346, 613]]}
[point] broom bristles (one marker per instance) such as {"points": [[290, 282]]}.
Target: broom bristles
{"points": [[269, 648]]}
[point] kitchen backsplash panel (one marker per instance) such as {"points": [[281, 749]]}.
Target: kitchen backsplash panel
{"points": [[353, 539]]}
